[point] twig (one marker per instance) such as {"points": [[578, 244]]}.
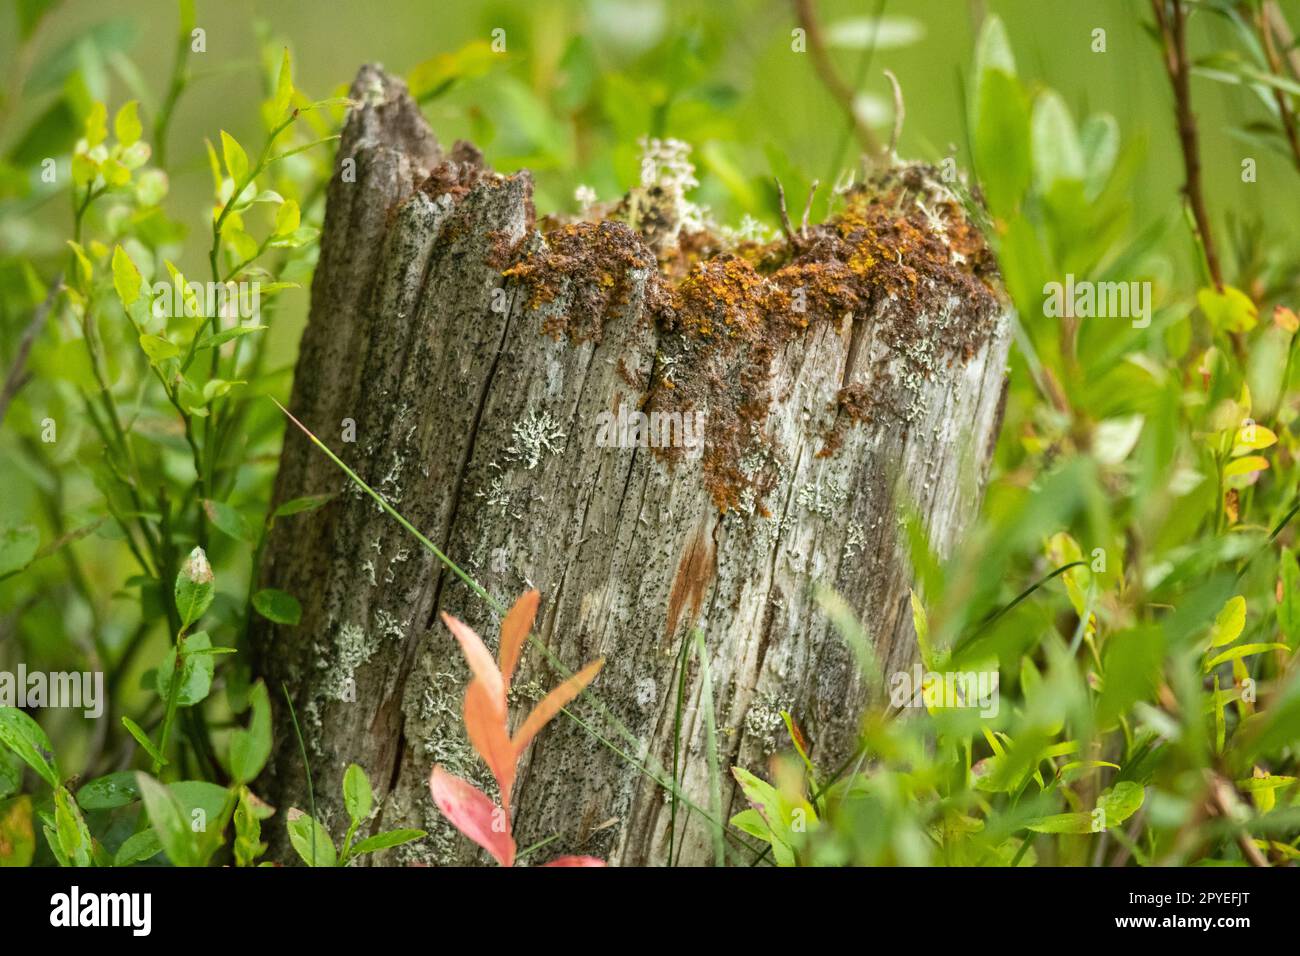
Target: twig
{"points": [[15, 379], [899, 113], [807, 208], [803, 10], [1279, 95], [785, 213], [1171, 22]]}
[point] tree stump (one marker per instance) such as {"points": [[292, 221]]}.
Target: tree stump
{"points": [[797, 396]]}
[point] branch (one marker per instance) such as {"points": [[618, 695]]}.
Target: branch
{"points": [[16, 379], [807, 18], [1275, 65], [1171, 22]]}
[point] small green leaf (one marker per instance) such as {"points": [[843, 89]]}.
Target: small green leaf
{"points": [[278, 606], [196, 670], [96, 130], [70, 828], [1288, 610], [250, 749], [1241, 650], [299, 505], [1229, 623], [126, 124], [212, 340], [25, 737], [126, 277], [158, 348], [137, 848], [384, 841], [168, 819], [136, 731], [357, 797], [194, 589], [1228, 311], [110, 791], [283, 87], [235, 157], [303, 830], [287, 218], [227, 519]]}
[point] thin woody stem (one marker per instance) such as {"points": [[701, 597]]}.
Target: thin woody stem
{"points": [[1171, 21]]}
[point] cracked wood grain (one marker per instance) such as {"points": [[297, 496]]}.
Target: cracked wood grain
{"points": [[479, 427]]}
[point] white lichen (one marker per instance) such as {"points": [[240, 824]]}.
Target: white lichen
{"points": [[535, 435]]}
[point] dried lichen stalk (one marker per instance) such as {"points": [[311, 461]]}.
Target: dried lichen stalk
{"points": [[808, 389]]}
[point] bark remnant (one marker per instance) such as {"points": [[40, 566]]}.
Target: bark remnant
{"points": [[840, 378]]}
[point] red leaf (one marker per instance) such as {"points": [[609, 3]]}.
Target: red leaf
{"points": [[472, 813], [552, 703], [576, 861], [479, 659], [485, 722], [514, 631]]}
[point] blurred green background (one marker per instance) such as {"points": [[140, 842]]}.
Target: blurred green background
{"points": [[581, 80]]}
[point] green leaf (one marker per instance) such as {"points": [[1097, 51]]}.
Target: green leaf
{"points": [[283, 88], [302, 830], [25, 737], [299, 505], [1241, 650], [126, 124], [250, 749], [921, 624], [287, 218], [212, 340], [357, 797], [1288, 610], [168, 819], [137, 848], [278, 606], [196, 670], [1229, 623], [227, 519], [126, 277], [1056, 149], [384, 841], [158, 348], [1002, 142], [1228, 311], [96, 130], [235, 157], [18, 545], [1121, 801], [70, 829], [136, 731], [752, 822], [110, 791], [194, 588]]}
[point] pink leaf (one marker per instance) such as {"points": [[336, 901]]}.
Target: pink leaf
{"points": [[473, 814], [576, 861], [514, 631], [552, 703], [479, 659], [485, 723]]}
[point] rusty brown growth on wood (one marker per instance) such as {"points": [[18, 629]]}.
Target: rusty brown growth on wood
{"points": [[851, 368]]}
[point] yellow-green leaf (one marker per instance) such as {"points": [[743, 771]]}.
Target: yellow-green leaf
{"points": [[126, 277], [235, 157], [96, 124], [1230, 622], [287, 218], [1241, 650], [126, 124], [1228, 311]]}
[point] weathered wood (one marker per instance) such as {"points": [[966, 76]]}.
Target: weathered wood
{"points": [[844, 375]]}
